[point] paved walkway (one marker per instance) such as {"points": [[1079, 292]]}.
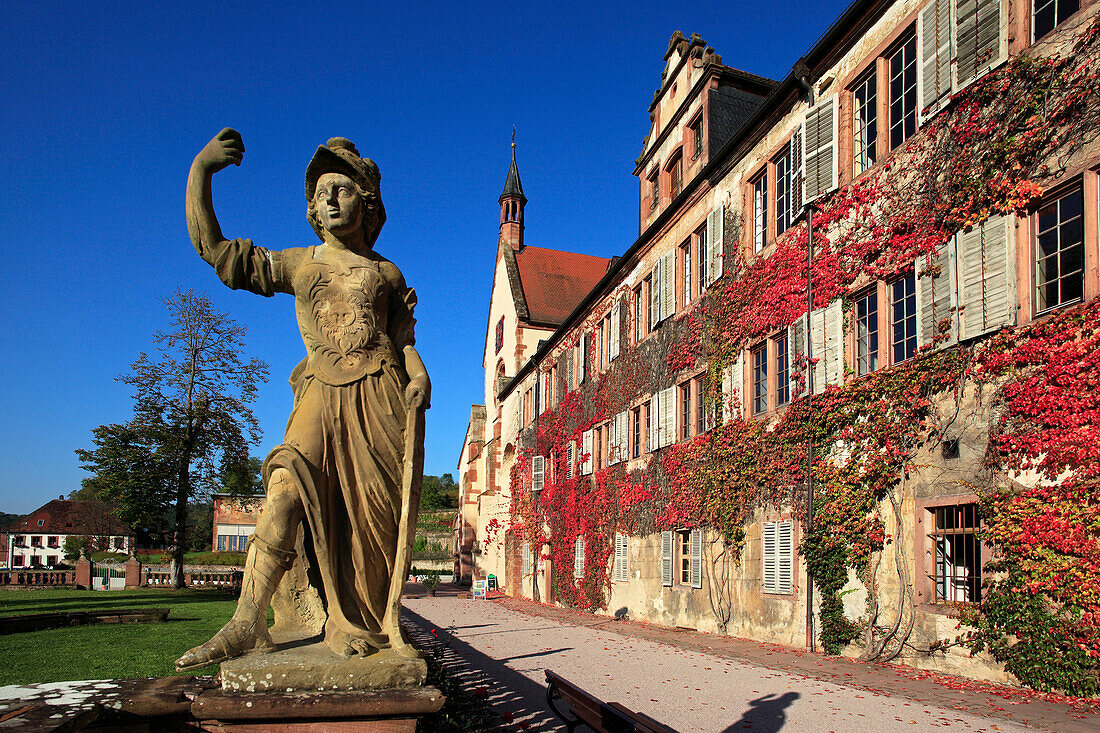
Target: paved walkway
{"points": [[701, 682]]}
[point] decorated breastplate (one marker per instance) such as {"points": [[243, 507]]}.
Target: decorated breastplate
{"points": [[342, 316]]}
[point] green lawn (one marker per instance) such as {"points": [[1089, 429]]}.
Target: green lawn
{"points": [[101, 651]]}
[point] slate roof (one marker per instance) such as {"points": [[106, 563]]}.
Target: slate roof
{"points": [[512, 184], [730, 109], [554, 282], [63, 516]]}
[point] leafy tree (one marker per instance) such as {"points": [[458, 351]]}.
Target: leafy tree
{"points": [[439, 492], [191, 414], [73, 546], [132, 472]]}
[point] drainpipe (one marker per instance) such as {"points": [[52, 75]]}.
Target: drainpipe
{"points": [[809, 410], [803, 72]]}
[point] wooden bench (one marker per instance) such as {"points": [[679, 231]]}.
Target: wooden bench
{"points": [[602, 717]]}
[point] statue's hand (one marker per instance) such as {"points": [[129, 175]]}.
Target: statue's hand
{"points": [[226, 147], [416, 393]]}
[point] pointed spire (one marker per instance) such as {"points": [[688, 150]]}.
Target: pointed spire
{"points": [[512, 185]]}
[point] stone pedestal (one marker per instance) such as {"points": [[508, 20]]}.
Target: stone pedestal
{"points": [[313, 667]]}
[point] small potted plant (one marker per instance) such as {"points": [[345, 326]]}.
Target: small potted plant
{"points": [[430, 581]]}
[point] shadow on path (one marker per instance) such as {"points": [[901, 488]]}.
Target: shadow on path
{"points": [[516, 696], [767, 714]]}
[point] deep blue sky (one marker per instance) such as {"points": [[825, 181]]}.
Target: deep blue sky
{"points": [[105, 104]]}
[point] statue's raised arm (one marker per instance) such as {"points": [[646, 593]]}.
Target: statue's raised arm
{"points": [[226, 147], [240, 264]]}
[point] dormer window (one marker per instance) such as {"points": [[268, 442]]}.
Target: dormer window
{"points": [[696, 135], [676, 176]]}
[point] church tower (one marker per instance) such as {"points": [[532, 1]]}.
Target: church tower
{"points": [[512, 202]]}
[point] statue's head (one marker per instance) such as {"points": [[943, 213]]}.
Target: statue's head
{"points": [[334, 165]]}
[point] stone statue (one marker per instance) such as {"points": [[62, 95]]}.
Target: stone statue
{"points": [[351, 463]]}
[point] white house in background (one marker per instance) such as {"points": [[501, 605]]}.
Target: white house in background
{"points": [[38, 539]]}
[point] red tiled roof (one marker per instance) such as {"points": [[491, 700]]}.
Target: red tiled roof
{"points": [[63, 516], [554, 282]]}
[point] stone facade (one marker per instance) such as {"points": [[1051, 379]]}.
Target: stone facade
{"points": [[712, 198]]}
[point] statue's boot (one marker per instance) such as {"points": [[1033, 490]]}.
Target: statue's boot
{"points": [[247, 630]]}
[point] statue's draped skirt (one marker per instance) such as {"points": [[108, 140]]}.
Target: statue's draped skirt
{"points": [[344, 449]]}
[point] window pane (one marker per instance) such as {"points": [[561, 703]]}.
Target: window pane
{"points": [[903, 94], [783, 198], [865, 119], [867, 333], [904, 318], [759, 209], [760, 379], [782, 372], [1059, 251]]}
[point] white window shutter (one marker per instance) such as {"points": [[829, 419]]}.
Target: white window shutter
{"points": [[796, 345], [715, 244], [770, 559], [666, 558], [797, 177], [582, 357], [526, 558], [586, 452], [668, 416], [569, 363], [538, 473], [578, 558], [834, 343], [980, 38], [570, 458], [987, 278], [653, 421], [668, 285], [936, 297], [621, 557], [614, 335], [733, 378], [934, 66], [819, 160], [695, 565], [817, 342], [784, 579], [621, 431]]}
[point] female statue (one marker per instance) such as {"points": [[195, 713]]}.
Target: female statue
{"points": [[341, 464]]}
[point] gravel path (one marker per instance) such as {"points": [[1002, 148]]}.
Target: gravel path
{"points": [[504, 654]]}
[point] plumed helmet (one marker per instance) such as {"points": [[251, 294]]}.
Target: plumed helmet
{"points": [[339, 155]]}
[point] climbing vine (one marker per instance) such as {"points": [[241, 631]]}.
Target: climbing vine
{"points": [[992, 151]]}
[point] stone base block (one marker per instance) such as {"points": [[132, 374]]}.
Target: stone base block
{"points": [[313, 667]]}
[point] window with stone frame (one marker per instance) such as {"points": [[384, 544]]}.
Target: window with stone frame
{"points": [[1049, 14], [654, 191], [499, 335], [637, 438], [866, 331], [1059, 250], [700, 406], [956, 553], [903, 318]]}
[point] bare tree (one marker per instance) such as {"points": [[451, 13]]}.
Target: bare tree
{"points": [[193, 394]]}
